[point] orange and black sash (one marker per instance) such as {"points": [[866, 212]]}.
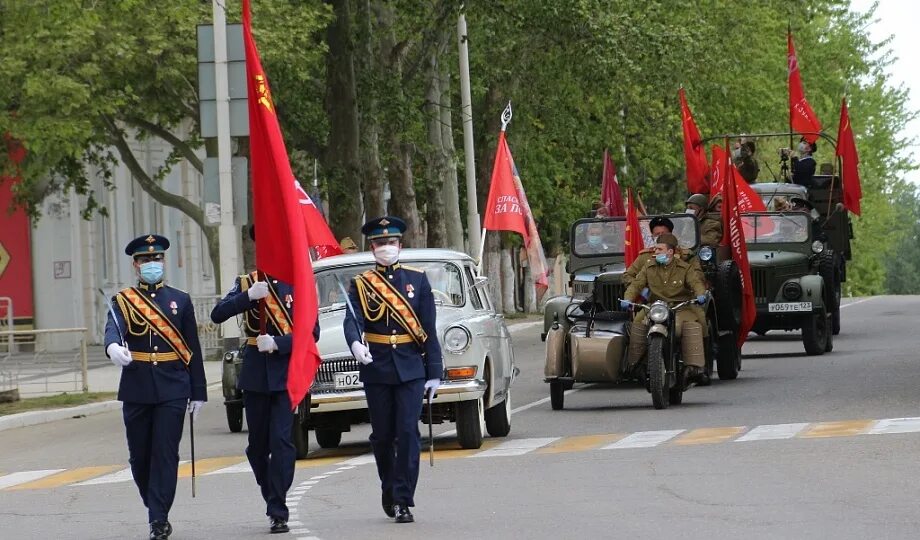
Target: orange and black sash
{"points": [[133, 302], [277, 313], [372, 286]]}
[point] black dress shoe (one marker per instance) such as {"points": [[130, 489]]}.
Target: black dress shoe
{"points": [[403, 515], [279, 525], [160, 530], [386, 500]]}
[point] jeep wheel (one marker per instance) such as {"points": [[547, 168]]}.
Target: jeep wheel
{"points": [[498, 418], [729, 358], [835, 322], [827, 267], [828, 323], [657, 373], [234, 417], [814, 333], [328, 438], [728, 296], [469, 423], [557, 395]]}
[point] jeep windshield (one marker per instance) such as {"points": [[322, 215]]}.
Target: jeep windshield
{"points": [[445, 278], [605, 238], [775, 228]]}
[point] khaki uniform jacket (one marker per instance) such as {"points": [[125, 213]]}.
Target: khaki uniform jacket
{"points": [[675, 282], [645, 256], [711, 229]]}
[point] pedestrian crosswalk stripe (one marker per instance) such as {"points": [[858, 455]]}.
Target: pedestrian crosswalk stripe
{"points": [[772, 432], [645, 439], [838, 429], [708, 435], [18, 478], [447, 449]]}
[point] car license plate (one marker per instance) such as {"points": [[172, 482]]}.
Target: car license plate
{"points": [[347, 379], [788, 307]]}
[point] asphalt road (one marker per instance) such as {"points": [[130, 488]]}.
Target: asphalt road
{"points": [[792, 449]]}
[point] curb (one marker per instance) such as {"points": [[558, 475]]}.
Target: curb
{"points": [[33, 418]]}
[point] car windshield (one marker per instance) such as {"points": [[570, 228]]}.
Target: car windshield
{"points": [[445, 279], [775, 228], [604, 238]]}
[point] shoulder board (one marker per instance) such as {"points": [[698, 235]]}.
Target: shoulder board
{"points": [[175, 289], [412, 268]]}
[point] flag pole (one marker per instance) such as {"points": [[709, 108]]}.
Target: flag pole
{"points": [[482, 247], [788, 89]]}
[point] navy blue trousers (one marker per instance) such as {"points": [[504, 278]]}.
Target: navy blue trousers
{"points": [[154, 432], [271, 451], [395, 411]]}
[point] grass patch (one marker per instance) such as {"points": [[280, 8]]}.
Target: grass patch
{"points": [[54, 402]]}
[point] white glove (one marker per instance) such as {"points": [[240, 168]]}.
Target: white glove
{"points": [[361, 353], [258, 291], [266, 343], [431, 387], [120, 356], [194, 407]]}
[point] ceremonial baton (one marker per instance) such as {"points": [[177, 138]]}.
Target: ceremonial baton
{"points": [[351, 308], [430, 433], [114, 318], [191, 431]]}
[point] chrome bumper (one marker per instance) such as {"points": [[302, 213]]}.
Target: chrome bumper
{"points": [[448, 392]]}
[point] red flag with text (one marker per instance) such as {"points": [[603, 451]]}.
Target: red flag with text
{"points": [[319, 235], [279, 216], [507, 209], [846, 150], [633, 243], [801, 116], [611, 196], [734, 237], [694, 153]]}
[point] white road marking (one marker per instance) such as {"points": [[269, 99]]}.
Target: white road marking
{"points": [[516, 447], [16, 478], [319, 477], [363, 459], [123, 475], [334, 472], [895, 425], [295, 524], [309, 482], [772, 432], [238, 468], [293, 499], [644, 439], [300, 531], [856, 302]]}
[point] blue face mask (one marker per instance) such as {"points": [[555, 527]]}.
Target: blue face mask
{"points": [[151, 272], [594, 240], [661, 258]]}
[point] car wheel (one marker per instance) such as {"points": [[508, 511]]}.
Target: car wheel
{"points": [[234, 417], [557, 395], [498, 418], [469, 423], [300, 434], [328, 438], [657, 374], [814, 333], [728, 362]]}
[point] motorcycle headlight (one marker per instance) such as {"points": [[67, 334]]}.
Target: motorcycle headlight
{"points": [[457, 339], [817, 247], [658, 312], [705, 253]]}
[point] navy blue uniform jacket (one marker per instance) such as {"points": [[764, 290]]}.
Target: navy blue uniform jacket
{"points": [[143, 382], [405, 362], [261, 372]]}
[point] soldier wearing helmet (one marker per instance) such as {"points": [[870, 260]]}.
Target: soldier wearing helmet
{"points": [[710, 222]]}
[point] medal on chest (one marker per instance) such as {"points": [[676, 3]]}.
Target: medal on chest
{"points": [[287, 300], [174, 307], [410, 291]]}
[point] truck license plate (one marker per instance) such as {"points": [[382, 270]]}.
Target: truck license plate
{"points": [[788, 307], [347, 379]]}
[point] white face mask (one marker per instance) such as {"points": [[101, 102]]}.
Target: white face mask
{"points": [[386, 255], [690, 211]]}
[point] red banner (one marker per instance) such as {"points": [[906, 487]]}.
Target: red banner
{"points": [[734, 237], [694, 153], [278, 211], [846, 150], [633, 243], [611, 196], [15, 246], [801, 116]]}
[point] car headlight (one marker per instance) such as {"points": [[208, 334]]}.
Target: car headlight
{"points": [[817, 246], [705, 253], [457, 339], [658, 312], [792, 290]]}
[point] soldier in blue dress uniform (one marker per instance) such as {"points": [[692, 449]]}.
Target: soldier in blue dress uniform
{"points": [[263, 380], [391, 332], [152, 335]]}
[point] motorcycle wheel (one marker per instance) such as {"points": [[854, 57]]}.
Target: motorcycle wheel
{"points": [[557, 395], [234, 417], [657, 373]]}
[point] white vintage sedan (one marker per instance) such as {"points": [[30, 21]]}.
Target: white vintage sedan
{"points": [[478, 359]]}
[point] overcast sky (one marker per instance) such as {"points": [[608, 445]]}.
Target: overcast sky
{"points": [[899, 18]]}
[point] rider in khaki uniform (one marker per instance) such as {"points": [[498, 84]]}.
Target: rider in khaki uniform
{"points": [[710, 222], [672, 280], [657, 225]]}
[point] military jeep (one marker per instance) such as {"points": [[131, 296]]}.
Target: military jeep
{"points": [[788, 270]]}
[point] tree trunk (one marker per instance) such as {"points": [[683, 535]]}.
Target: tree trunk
{"points": [[342, 160], [507, 273], [368, 63], [434, 207], [450, 192], [492, 268]]}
